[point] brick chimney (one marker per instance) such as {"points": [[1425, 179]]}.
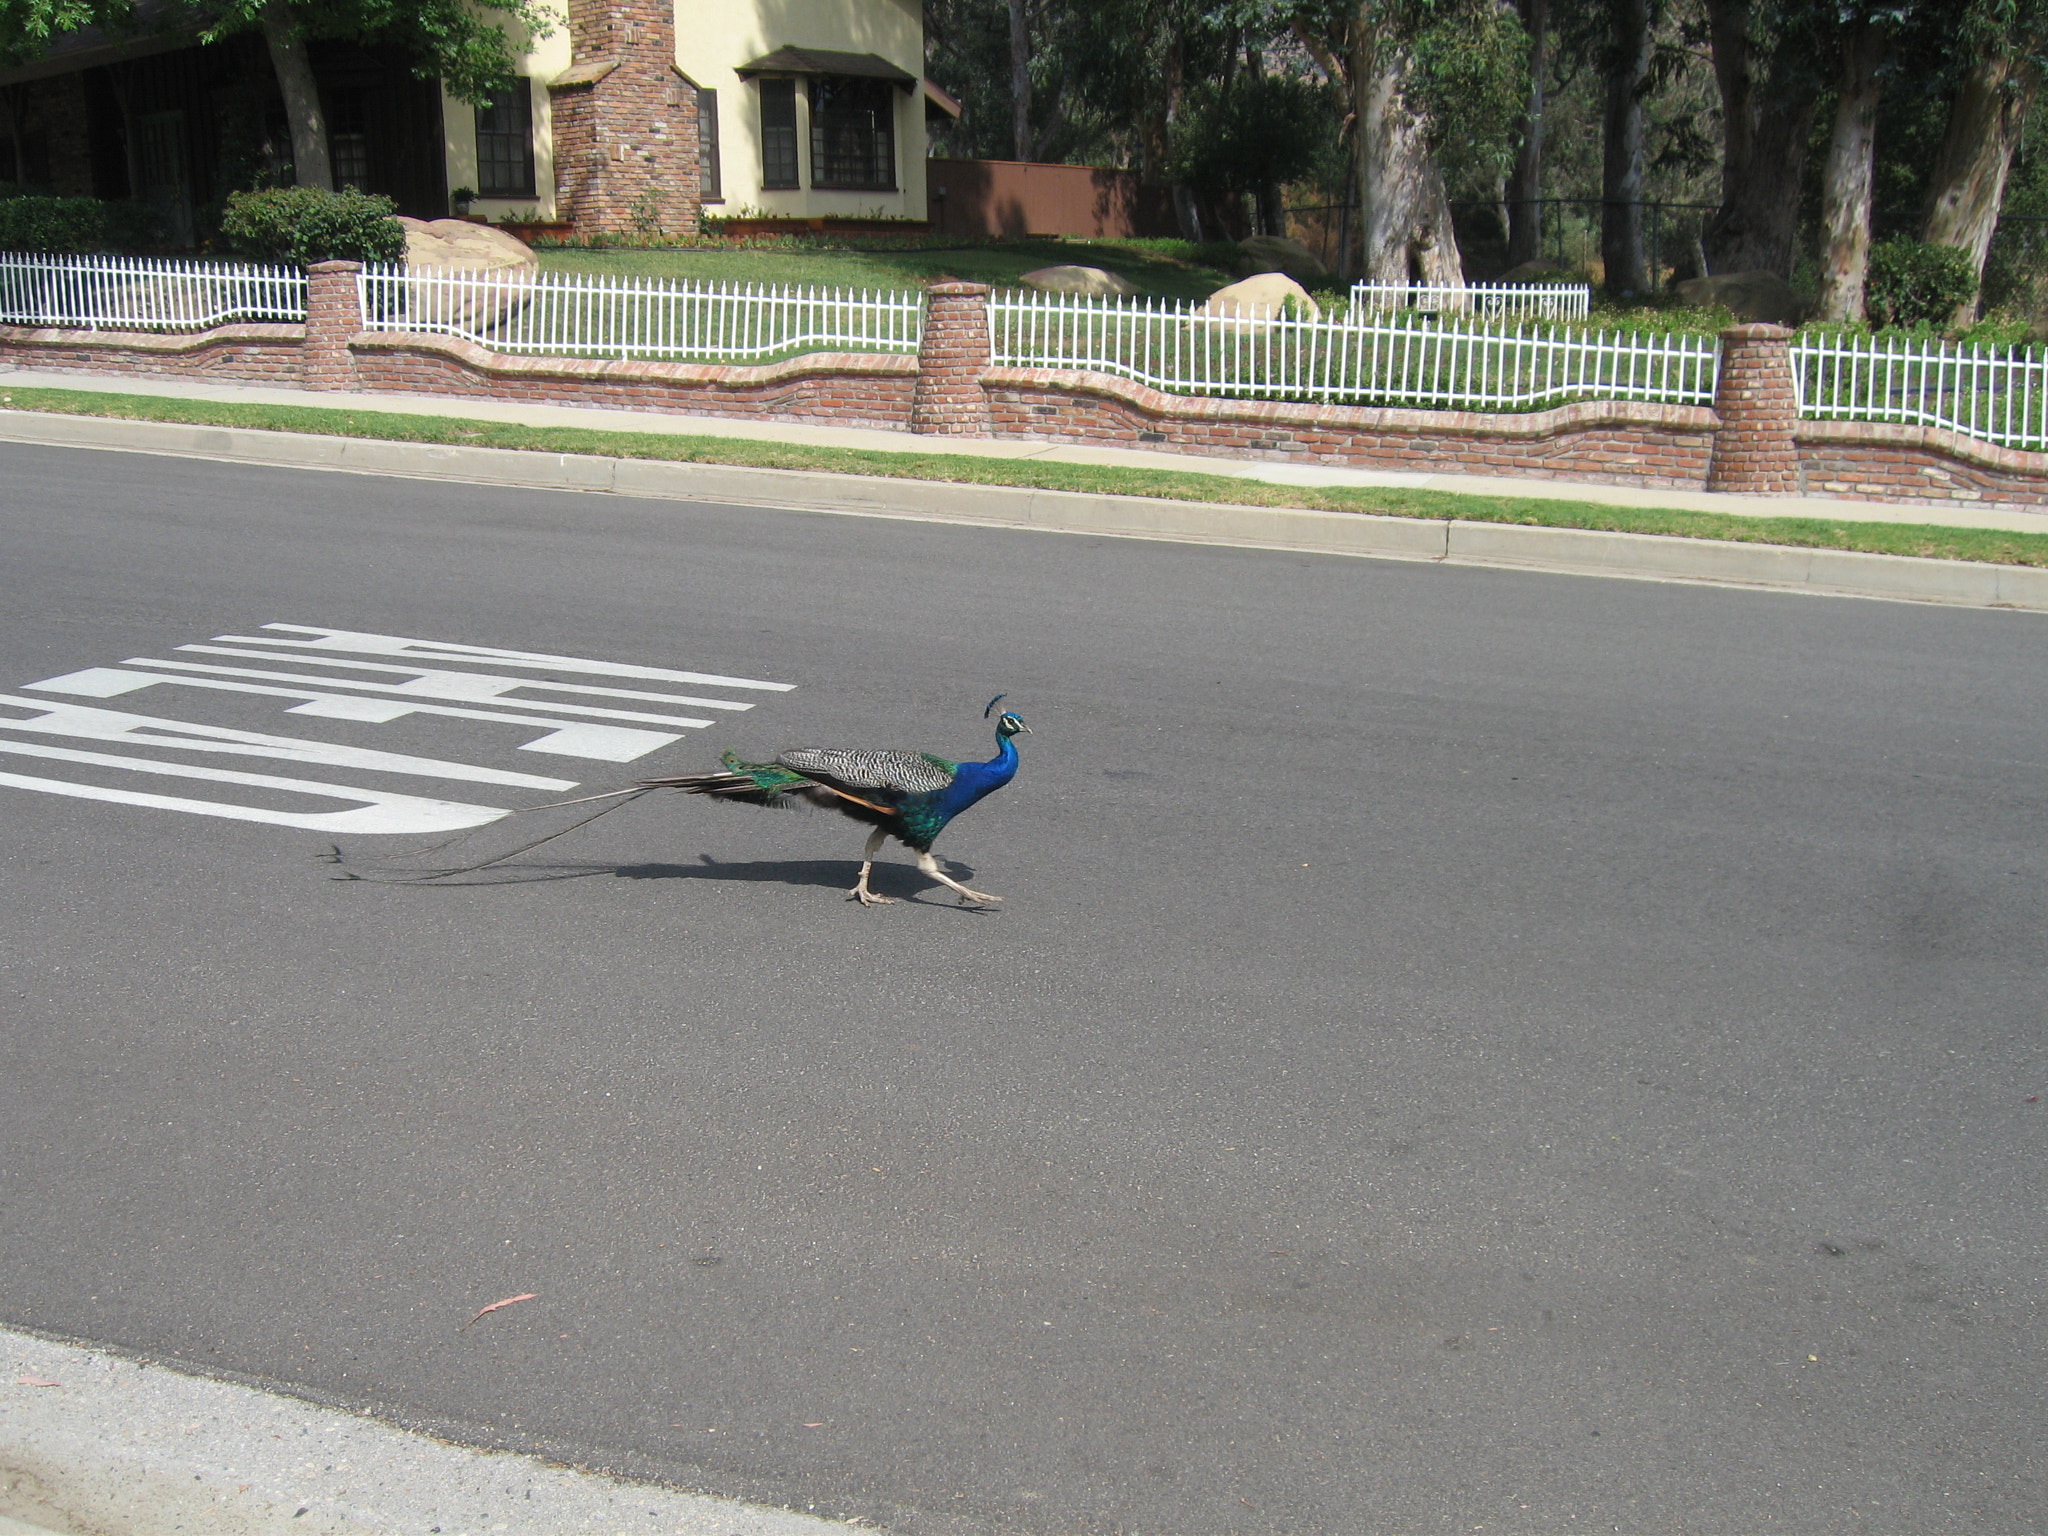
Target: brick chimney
{"points": [[625, 123]]}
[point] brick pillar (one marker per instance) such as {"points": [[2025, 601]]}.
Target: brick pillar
{"points": [[1754, 452], [625, 123], [334, 314], [952, 354]]}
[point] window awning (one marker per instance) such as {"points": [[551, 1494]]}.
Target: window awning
{"points": [[825, 61]]}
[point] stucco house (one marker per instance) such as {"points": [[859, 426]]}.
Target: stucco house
{"points": [[629, 116]]}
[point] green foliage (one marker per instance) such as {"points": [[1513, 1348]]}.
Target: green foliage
{"points": [[1915, 284], [462, 42], [1472, 63], [307, 224], [1255, 132], [64, 226]]}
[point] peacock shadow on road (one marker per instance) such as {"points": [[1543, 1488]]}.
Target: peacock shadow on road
{"points": [[830, 874]]}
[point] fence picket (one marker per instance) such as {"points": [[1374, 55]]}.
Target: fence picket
{"points": [[1993, 394]]}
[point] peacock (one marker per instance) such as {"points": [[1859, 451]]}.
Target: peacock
{"points": [[906, 795]]}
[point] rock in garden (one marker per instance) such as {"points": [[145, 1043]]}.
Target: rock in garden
{"points": [[1083, 280], [460, 246], [1261, 296], [1539, 272], [1277, 253], [1753, 296]]}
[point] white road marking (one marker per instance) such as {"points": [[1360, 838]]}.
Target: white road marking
{"points": [[473, 685], [430, 670], [440, 650], [428, 686], [610, 743], [380, 811], [82, 721]]}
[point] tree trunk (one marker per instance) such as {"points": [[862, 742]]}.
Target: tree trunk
{"points": [[1621, 159], [1404, 210], [1765, 126], [310, 164], [1525, 184], [1968, 182], [1845, 200], [1020, 81]]}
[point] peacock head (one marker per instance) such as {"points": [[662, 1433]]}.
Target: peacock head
{"points": [[1007, 724]]}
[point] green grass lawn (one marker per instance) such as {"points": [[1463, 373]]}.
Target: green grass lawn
{"points": [[1151, 265], [1990, 546]]}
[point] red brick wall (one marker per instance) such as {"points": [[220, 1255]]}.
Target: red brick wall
{"points": [[626, 144], [256, 354], [1878, 461], [1754, 454], [852, 389], [952, 355], [1607, 443]]}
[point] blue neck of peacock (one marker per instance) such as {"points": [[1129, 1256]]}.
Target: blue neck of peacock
{"points": [[974, 780]]}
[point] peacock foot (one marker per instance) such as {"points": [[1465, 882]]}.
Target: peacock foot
{"points": [[868, 898], [968, 897]]}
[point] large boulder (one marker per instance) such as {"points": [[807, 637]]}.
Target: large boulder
{"points": [[1089, 281], [1754, 296], [460, 246], [1262, 296], [459, 243], [1277, 253]]}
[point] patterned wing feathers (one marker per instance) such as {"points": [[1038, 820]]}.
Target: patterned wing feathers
{"points": [[890, 774]]}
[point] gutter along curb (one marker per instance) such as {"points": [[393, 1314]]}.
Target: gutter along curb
{"points": [[1563, 550]]}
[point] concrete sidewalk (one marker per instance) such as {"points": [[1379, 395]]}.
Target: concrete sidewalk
{"points": [[1957, 515]]}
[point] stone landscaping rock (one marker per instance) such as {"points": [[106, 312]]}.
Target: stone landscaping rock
{"points": [[1277, 253], [458, 245], [1749, 296], [1262, 297], [1539, 272], [1082, 280]]}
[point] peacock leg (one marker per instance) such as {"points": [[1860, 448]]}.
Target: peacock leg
{"points": [[930, 866], [861, 893]]}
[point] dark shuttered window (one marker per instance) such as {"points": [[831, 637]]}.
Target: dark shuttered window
{"points": [[853, 134], [708, 185], [504, 144], [778, 134]]}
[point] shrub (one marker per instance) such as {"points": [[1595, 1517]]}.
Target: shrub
{"points": [[1913, 284], [307, 224], [65, 226]]}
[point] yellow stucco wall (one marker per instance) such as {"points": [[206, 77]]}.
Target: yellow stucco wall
{"points": [[541, 61], [713, 38]]}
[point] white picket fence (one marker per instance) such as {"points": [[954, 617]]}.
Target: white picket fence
{"points": [[1487, 301], [143, 293], [1402, 359], [1997, 394], [568, 314]]}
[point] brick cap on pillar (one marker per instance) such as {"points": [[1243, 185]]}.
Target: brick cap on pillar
{"points": [[954, 288], [334, 266], [1756, 330]]}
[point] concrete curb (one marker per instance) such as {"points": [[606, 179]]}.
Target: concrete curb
{"points": [[1563, 550]]}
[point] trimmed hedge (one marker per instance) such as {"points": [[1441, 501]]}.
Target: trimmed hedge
{"points": [[63, 226], [1914, 284], [308, 224]]}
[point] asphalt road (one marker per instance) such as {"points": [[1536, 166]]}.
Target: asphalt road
{"points": [[1459, 1049]]}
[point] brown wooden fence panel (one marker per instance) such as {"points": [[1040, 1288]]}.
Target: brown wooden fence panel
{"points": [[1014, 198]]}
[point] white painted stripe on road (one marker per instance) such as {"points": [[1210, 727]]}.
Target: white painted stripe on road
{"points": [[82, 721], [474, 685], [426, 687], [608, 743], [378, 811], [442, 650]]}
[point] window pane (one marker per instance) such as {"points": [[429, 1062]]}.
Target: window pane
{"points": [[778, 133], [853, 134], [504, 144], [708, 187]]}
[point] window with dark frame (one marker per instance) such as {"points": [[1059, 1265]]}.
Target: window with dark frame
{"points": [[709, 188], [504, 144], [348, 137], [778, 135], [853, 134]]}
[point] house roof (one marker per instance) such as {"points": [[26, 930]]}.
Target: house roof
{"points": [[825, 61], [936, 96]]}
